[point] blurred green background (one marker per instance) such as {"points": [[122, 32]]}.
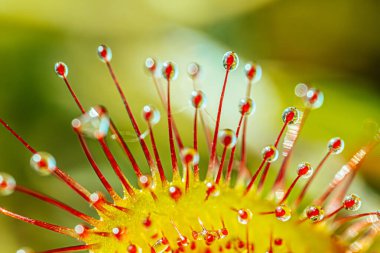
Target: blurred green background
{"points": [[333, 45]]}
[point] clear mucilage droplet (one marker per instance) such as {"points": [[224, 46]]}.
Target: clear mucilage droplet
{"points": [[244, 216], [189, 156], [227, 138], [150, 64], [247, 106], [193, 70], [336, 145], [198, 99], [304, 170], [314, 213], [161, 245], [151, 114], [253, 72], [104, 53], [290, 115], [94, 124], [352, 202], [270, 153], [313, 98], [61, 69], [7, 184], [169, 70], [44, 163], [230, 61], [283, 213]]}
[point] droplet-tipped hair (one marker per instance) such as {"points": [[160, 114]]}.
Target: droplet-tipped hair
{"points": [[210, 214]]}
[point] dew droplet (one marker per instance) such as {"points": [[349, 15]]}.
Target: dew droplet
{"points": [[104, 53], [210, 236], [150, 64], [230, 61], [314, 98], [352, 202], [244, 215], [247, 106], [283, 213], [193, 70], [161, 245], [227, 138], [175, 192], [96, 198], [61, 69], [183, 241], [270, 153], [145, 181], [169, 70], [223, 232], [132, 248], [336, 145], [25, 250], [151, 114], [301, 89], [189, 156], [198, 99], [314, 213], [253, 71], [80, 229], [290, 115], [7, 184], [118, 232], [94, 124], [304, 170], [44, 163], [212, 189]]}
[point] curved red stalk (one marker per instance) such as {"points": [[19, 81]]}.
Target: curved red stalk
{"points": [[187, 180], [116, 167], [352, 166], [74, 185], [243, 155], [18, 137], [220, 170], [231, 161], [56, 203], [343, 220], [70, 249], [307, 185], [280, 179], [131, 117], [42, 224], [98, 172], [156, 155], [195, 133], [114, 130], [255, 176], [212, 161], [266, 170], [164, 103], [74, 95], [171, 140], [290, 189]]}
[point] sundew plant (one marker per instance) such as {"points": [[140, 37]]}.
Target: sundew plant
{"points": [[222, 207]]}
